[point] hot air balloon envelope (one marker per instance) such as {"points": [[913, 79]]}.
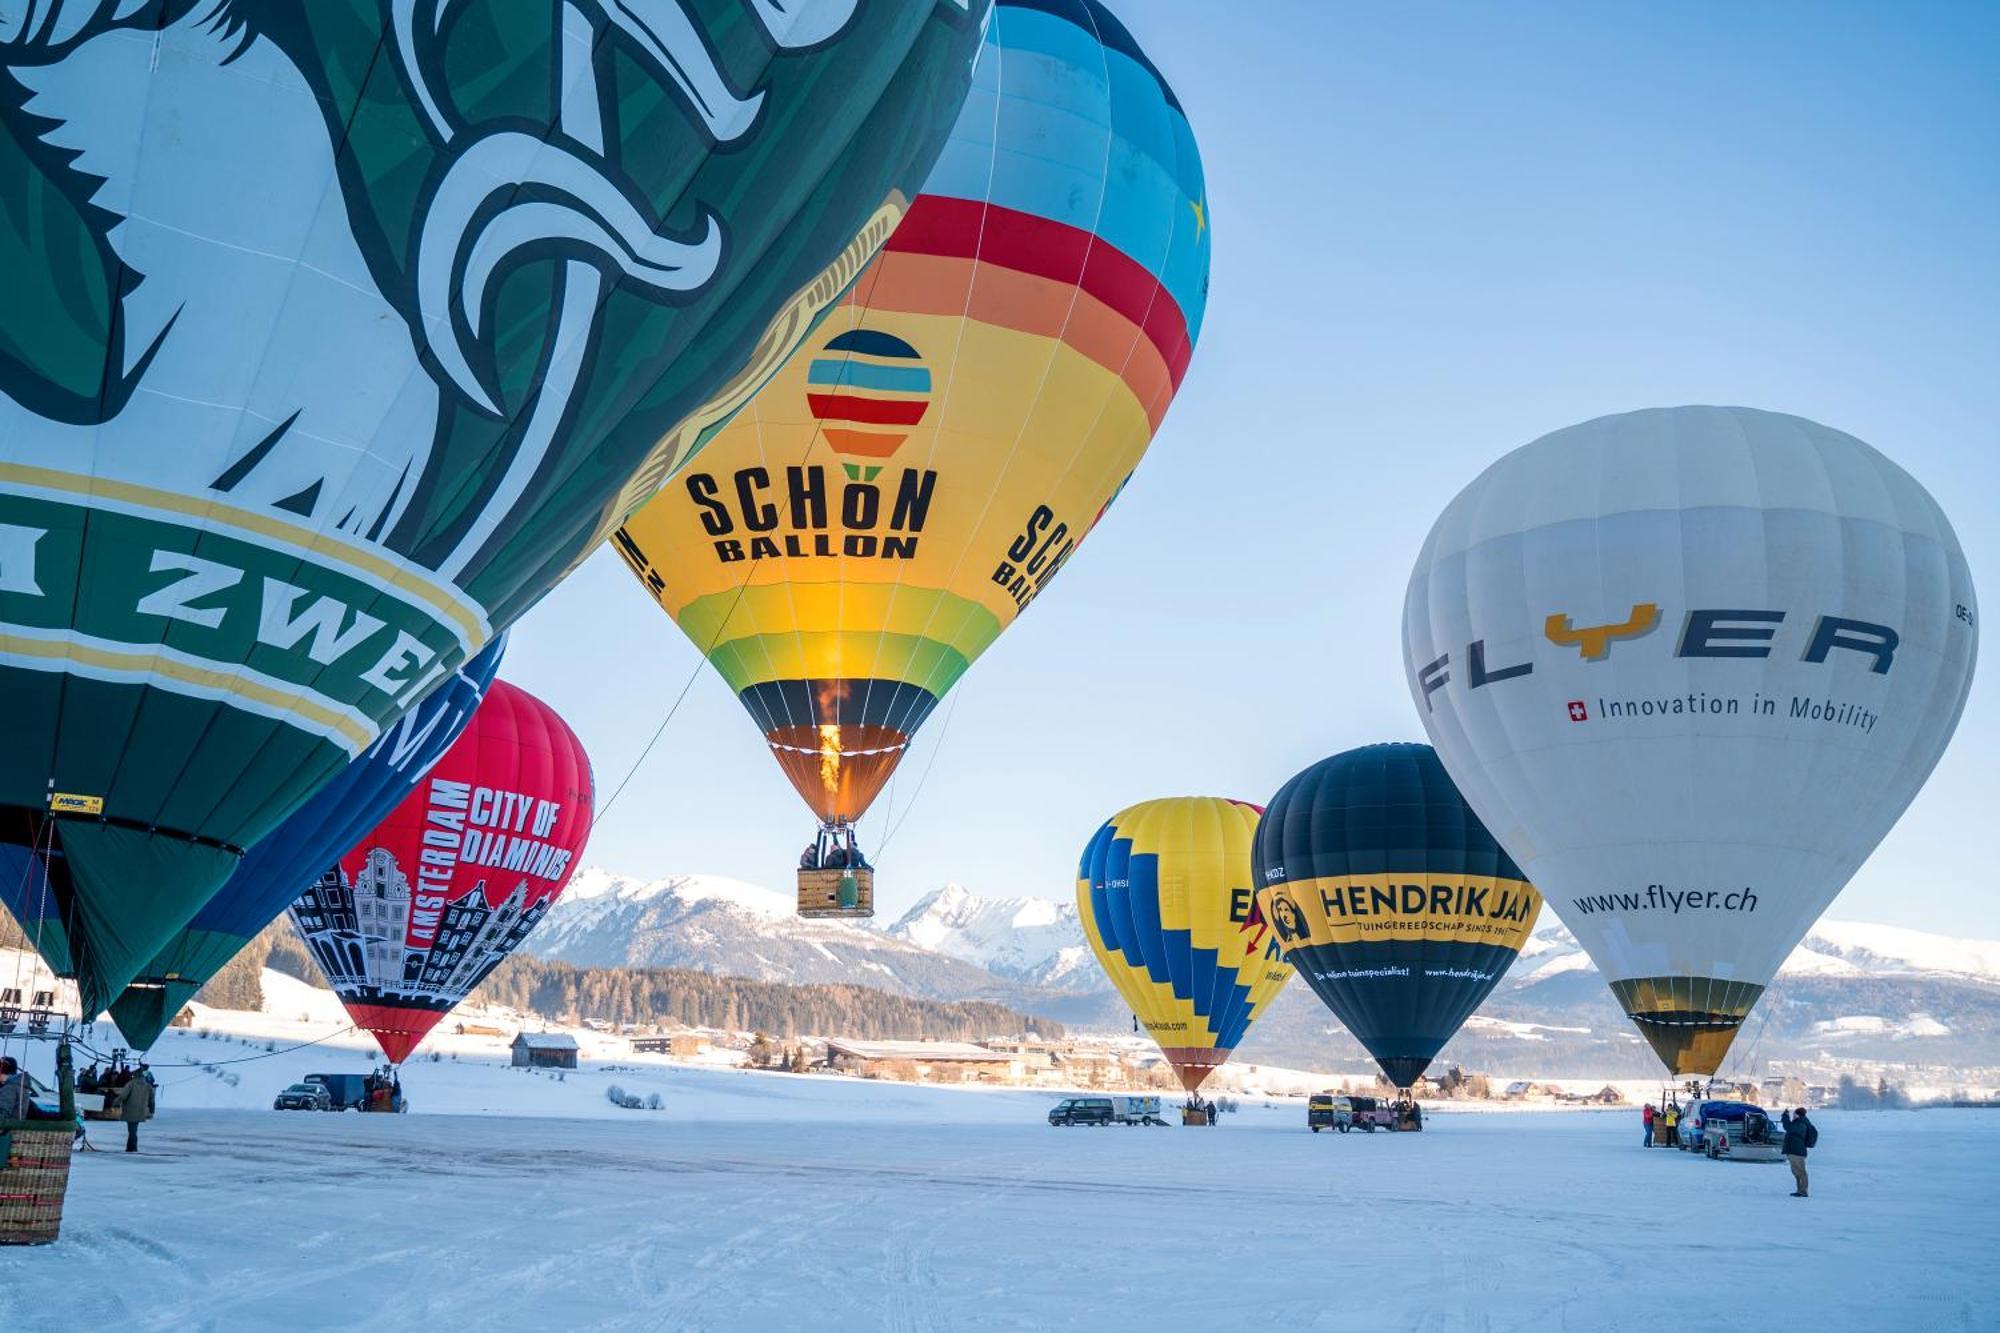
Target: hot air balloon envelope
{"points": [[334, 334], [924, 465], [1690, 665], [417, 913], [1390, 898], [1163, 893]]}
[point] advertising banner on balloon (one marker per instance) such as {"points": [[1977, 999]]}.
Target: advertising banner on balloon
{"points": [[416, 914], [1690, 665], [336, 333]]}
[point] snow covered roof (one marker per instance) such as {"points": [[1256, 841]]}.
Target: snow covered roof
{"points": [[545, 1041], [933, 1051]]}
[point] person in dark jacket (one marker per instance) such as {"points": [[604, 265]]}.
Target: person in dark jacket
{"points": [[1801, 1136], [16, 1102], [135, 1105]]}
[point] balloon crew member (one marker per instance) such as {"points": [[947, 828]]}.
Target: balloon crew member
{"points": [[1647, 1116], [1673, 1124], [135, 1105], [1801, 1136]]}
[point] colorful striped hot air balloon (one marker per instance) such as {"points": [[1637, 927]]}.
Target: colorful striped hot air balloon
{"points": [[1164, 895], [917, 474]]}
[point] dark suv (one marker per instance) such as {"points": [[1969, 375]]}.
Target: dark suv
{"points": [[1081, 1111]]}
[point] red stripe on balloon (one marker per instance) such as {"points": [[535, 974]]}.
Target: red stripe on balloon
{"points": [[872, 411], [969, 229]]}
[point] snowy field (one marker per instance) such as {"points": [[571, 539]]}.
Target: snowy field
{"points": [[761, 1201]]}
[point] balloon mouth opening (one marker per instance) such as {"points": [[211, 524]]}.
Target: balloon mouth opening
{"points": [[1690, 1022], [837, 767], [1193, 1064]]}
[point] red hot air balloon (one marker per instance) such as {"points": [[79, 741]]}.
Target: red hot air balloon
{"points": [[423, 908]]}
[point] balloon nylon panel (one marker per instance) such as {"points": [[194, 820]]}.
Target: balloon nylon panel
{"points": [[1166, 905]]}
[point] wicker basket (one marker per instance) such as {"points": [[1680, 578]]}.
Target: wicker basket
{"points": [[838, 893], [34, 1179]]}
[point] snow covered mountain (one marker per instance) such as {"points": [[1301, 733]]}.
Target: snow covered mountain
{"points": [[1830, 949], [713, 924], [1028, 939], [1851, 991]]}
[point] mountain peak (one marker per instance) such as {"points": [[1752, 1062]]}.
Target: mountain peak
{"points": [[1025, 938]]}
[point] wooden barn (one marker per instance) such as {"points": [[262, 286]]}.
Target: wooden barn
{"points": [[544, 1050]]}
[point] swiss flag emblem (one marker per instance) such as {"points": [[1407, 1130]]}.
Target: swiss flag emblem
{"points": [[1577, 712]]}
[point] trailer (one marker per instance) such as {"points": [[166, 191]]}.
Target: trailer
{"points": [[1136, 1111]]}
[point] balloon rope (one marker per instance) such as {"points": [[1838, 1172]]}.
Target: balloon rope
{"points": [[694, 675], [38, 851], [925, 776], [96, 1054]]}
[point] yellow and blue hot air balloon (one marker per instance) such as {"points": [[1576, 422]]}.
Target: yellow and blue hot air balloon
{"points": [[1166, 901]]}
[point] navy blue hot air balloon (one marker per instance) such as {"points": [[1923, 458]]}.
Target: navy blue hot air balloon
{"points": [[1390, 898], [281, 867]]}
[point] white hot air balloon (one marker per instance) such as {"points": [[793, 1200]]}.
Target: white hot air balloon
{"points": [[1690, 665]]}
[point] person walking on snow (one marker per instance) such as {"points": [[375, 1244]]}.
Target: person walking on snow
{"points": [[1647, 1116], [135, 1104], [1801, 1136]]}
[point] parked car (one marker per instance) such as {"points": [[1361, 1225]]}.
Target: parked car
{"points": [[343, 1090], [1372, 1113], [304, 1097], [1082, 1111], [1136, 1111], [1327, 1110], [1742, 1131]]}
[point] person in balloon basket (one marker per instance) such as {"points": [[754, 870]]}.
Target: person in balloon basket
{"points": [[1647, 1115], [1801, 1136], [16, 1102], [135, 1105]]}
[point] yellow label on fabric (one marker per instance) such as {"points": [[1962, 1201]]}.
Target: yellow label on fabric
{"points": [[1469, 909], [73, 803]]}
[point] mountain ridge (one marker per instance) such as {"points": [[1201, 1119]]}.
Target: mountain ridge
{"points": [[1852, 991]]}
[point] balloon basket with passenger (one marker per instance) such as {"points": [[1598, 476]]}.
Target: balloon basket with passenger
{"points": [[34, 1163], [835, 879]]}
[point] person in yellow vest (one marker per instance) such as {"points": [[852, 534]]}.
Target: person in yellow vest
{"points": [[1673, 1124]]}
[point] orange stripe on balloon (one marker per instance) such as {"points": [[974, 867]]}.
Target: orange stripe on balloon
{"points": [[864, 444], [1007, 298]]}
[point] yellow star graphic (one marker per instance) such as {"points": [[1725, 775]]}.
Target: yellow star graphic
{"points": [[1200, 208]]}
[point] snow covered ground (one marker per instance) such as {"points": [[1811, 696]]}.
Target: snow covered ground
{"points": [[759, 1201]]}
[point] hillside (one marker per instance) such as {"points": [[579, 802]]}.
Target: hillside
{"points": [[563, 992], [1851, 993]]}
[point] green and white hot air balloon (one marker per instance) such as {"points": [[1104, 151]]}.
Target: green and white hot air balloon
{"points": [[333, 334]]}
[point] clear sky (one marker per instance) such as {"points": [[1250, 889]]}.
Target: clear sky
{"points": [[1441, 230]]}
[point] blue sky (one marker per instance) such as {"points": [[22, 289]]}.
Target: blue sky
{"points": [[1440, 231]]}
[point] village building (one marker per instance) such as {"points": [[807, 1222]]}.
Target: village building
{"points": [[544, 1050], [925, 1061]]}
